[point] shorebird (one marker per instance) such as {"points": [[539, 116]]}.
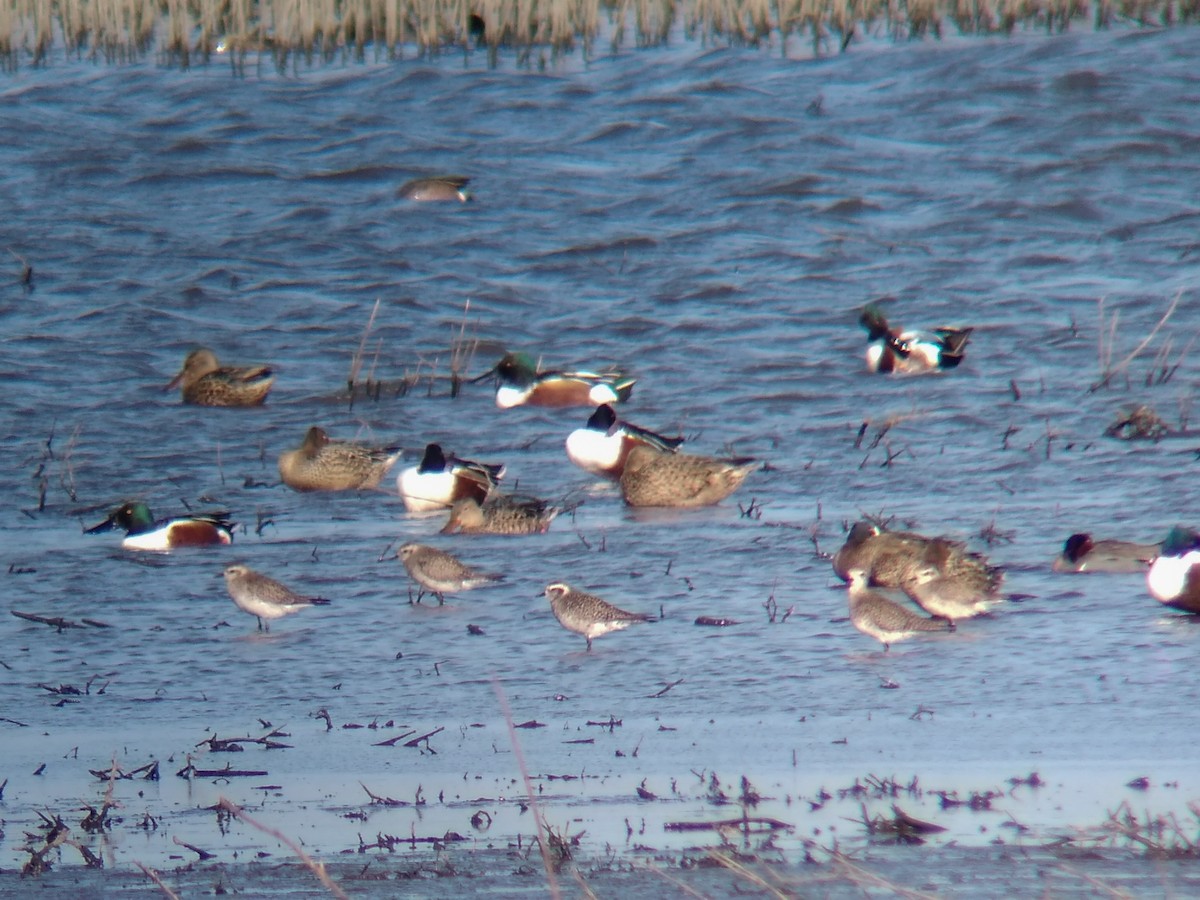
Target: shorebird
{"points": [[438, 187], [587, 614], [605, 442], [907, 352], [263, 597], [439, 572], [888, 622], [1174, 578], [205, 382], [957, 594], [892, 557], [1083, 554], [322, 464], [440, 480], [143, 532], [501, 515], [655, 478], [519, 382]]}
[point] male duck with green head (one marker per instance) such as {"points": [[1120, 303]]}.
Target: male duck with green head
{"points": [[518, 382], [142, 532]]}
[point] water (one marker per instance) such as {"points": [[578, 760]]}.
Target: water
{"points": [[708, 220]]}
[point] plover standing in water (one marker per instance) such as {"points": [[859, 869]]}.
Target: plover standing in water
{"points": [[876, 616], [587, 614], [263, 597], [439, 572]]}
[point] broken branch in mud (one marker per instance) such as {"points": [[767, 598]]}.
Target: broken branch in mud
{"points": [[190, 771], [154, 876], [199, 851], [58, 621], [318, 869]]}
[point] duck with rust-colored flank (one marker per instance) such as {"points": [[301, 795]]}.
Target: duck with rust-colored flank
{"points": [[519, 382], [322, 464], [143, 532], [263, 597], [439, 572], [439, 481], [205, 382], [1174, 578], [653, 477], [910, 352], [605, 442], [885, 620], [892, 558], [500, 515], [436, 188], [1082, 553], [587, 614]]}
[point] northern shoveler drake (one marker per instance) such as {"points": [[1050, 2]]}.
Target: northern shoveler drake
{"points": [[603, 444], [500, 515], [891, 558], [908, 352], [438, 481], [439, 187], [1174, 578], [263, 597], [960, 593], [587, 614], [322, 464], [885, 620], [439, 572], [142, 532], [655, 478], [1083, 554], [518, 382], [205, 382]]}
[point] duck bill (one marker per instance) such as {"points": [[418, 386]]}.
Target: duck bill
{"points": [[450, 527], [490, 373], [107, 525]]}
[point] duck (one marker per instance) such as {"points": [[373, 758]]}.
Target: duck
{"points": [[891, 558], [587, 614], [654, 477], [436, 188], [439, 572], [204, 381], [910, 352], [264, 597], [500, 515], [323, 464], [1082, 553], [602, 446], [144, 532], [438, 481], [1174, 577], [519, 383], [883, 619]]}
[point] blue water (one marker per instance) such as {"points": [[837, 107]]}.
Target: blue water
{"points": [[710, 221]]}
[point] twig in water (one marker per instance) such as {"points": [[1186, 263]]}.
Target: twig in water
{"points": [[153, 876]]}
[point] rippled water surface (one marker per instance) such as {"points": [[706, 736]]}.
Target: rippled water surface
{"points": [[708, 221]]}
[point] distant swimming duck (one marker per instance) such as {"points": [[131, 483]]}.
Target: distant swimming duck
{"points": [[908, 352], [1083, 554], [439, 187], [321, 464], [1174, 578], [500, 515], [655, 478], [890, 558], [142, 532], [587, 614], [885, 620], [440, 480], [205, 382], [263, 597], [519, 382], [604, 443]]}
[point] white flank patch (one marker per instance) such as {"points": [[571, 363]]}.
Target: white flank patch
{"points": [[602, 393], [151, 540], [593, 451], [425, 491], [874, 355], [507, 397], [1168, 575]]}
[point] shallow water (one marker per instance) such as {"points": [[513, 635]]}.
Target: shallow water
{"points": [[710, 221]]}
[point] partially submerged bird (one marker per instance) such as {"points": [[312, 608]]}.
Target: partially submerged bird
{"points": [[907, 352], [1082, 553], [519, 382], [885, 620], [587, 614], [1174, 578], [263, 597], [892, 557], [438, 481], [653, 477], [322, 464], [500, 515], [435, 188], [205, 382], [605, 442], [143, 532], [439, 572]]}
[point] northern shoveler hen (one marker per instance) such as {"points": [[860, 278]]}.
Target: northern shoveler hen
{"points": [[439, 572], [604, 443], [519, 382], [655, 478], [439, 187], [1174, 578], [908, 352], [205, 382], [263, 597], [500, 515], [888, 622], [142, 532], [587, 614], [1081, 553], [890, 558], [438, 481], [322, 464]]}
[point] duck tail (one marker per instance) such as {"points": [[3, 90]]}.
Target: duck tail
{"points": [[624, 388], [954, 345]]}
